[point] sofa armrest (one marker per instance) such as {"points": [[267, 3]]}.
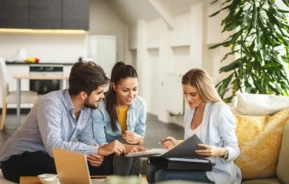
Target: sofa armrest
{"points": [[283, 162]]}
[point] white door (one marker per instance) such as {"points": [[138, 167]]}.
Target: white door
{"points": [[102, 49]]}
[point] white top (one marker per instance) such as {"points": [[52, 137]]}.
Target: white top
{"points": [[196, 131]]}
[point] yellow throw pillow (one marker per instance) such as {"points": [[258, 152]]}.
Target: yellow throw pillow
{"points": [[260, 142]]}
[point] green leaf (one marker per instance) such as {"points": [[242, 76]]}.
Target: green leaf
{"points": [[285, 59], [214, 1], [258, 85], [278, 92], [236, 36], [217, 12], [228, 99], [282, 11], [285, 2], [255, 15], [219, 44], [226, 2], [223, 87], [271, 66], [230, 53], [235, 64]]}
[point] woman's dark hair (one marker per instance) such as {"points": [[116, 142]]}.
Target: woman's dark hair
{"points": [[119, 71], [87, 77]]}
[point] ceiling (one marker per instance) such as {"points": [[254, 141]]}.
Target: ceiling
{"points": [[132, 10]]}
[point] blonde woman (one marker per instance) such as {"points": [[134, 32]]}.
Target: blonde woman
{"points": [[212, 121]]}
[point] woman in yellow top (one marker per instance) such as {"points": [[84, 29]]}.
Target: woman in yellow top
{"points": [[122, 117]]}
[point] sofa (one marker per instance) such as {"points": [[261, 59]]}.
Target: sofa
{"points": [[282, 176], [262, 128], [283, 164], [267, 118]]}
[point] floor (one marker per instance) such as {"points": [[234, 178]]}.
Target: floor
{"points": [[154, 132]]}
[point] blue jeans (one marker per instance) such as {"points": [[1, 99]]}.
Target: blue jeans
{"points": [[155, 174]]}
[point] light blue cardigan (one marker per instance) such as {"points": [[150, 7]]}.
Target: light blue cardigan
{"points": [[136, 121], [218, 129]]}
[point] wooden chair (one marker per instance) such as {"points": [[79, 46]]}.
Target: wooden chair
{"points": [[9, 97]]}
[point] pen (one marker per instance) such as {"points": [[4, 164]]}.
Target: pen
{"points": [[161, 142]]}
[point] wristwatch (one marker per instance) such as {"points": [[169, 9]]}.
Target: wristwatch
{"points": [[226, 154]]}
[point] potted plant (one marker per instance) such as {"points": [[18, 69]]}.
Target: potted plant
{"points": [[261, 43]]}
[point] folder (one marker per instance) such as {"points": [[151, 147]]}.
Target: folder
{"points": [[186, 149], [180, 164], [181, 158]]}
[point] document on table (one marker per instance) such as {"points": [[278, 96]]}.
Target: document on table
{"points": [[186, 149]]}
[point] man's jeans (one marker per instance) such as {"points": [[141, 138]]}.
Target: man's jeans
{"points": [[39, 162]]}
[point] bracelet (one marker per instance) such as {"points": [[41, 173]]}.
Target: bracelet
{"points": [[226, 154]]}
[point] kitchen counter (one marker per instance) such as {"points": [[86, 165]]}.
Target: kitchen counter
{"points": [[24, 63]]}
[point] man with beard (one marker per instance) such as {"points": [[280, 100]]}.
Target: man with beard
{"points": [[61, 119]]}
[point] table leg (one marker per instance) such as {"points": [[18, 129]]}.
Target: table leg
{"points": [[18, 100]]}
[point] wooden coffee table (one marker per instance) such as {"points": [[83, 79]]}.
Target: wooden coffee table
{"points": [[35, 180], [29, 180], [32, 180]]}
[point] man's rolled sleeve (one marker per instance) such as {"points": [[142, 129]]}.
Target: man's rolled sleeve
{"points": [[91, 150]]}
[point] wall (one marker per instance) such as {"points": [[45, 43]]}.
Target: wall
{"points": [[47, 47], [162, 52], [163, 55], [105, 21]]}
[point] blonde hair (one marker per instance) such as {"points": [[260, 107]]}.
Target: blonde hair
{"points": [[203, 82]]}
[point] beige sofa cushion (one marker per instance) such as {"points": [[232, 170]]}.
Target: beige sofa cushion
{"points": [[263, 181], [260, 104], [283, 163], [260, 140]]}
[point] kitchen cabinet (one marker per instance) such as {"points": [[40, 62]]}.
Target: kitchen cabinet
{"points": [[45, 14], [14, 13], [75, 14]]}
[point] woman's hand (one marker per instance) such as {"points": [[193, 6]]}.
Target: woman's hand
{"points": [[133, 148], [210, 151], [169, 142], [131, 137], [94, 160]]}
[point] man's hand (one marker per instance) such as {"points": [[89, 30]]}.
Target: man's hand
{"points": [[113, 147], [94, 160], [133, 148], [131, 137], [210, 151]]}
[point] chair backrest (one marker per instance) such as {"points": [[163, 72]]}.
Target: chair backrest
{"points": [[3, 77]]}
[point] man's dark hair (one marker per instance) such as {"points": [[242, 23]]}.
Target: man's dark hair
{"points": [[87, 77]]}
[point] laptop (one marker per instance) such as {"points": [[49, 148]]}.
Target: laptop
{"points": [[72, 168]]}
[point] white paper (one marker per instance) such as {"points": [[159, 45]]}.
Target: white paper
{"points": [[147, 153], [189, 160]]}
